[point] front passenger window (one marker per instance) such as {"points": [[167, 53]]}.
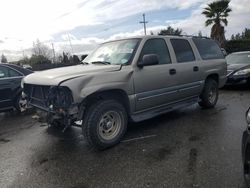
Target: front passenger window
{"points": [[158, 47]]}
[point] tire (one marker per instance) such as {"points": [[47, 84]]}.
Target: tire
{"points": [[209, 95], [20, 103], [104, 124], [246, 167]]}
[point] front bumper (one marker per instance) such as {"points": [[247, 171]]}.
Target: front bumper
{"points": [[237, 79], [54, 100]]}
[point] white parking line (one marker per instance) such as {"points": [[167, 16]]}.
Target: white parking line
{"points": [[139, 138]]}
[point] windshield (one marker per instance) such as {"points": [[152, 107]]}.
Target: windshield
{"points": [[117, 52], [243, 58]]}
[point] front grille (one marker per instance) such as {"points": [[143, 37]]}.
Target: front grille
{"points": [[37, 95]]}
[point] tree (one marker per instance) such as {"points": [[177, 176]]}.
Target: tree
{"points": [[199, 34], [245, 35], [24, 60], [39, 49], [76, 59], [170, 31], [216, 14], [83, 56], [4, 59], [39, 59], [65, 58]]}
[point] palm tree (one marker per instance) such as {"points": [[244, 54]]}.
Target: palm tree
{"points": [[217, 13]]}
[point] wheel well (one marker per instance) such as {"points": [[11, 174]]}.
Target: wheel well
{"points": [[18, 92], [117, 94], [215, 77]]}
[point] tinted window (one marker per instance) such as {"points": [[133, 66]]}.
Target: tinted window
{"points": [[183, 50], [7, 72], [3, 72], [208, 49], [158, 47], [13, 73]]}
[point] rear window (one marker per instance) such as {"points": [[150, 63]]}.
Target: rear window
{"points": [[183, 50], [208, 49]]}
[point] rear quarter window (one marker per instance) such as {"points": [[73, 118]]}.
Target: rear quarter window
{"points": [[208, 49]]}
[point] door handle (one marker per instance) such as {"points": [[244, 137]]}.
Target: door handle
{"points": [[172, 71], [195, 69]]}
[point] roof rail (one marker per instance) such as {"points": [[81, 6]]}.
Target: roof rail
{"points": [[192, 36]]}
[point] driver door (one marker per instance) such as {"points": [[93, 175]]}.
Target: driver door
{"points": [[154, 84]]}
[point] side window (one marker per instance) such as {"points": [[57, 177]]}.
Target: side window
{"points": [[13, 73], [158, 47], [183, 50], [3, 72], [208, 49], [6, 72]]}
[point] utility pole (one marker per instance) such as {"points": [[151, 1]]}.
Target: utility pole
{"points": [[144, 22], [70, 44], [53, 50]]}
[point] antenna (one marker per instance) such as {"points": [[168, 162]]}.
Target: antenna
{"points": [[144, 22]]}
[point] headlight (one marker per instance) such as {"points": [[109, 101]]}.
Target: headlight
{"points": [[59, 97], [248, 117], [22, 82], [242, 72]]}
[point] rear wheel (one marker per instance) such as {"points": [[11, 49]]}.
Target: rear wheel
{"points": [[104, 124], [209, 94]]}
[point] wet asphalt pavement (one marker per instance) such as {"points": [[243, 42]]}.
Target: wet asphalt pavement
{"points": [[191, 147]]}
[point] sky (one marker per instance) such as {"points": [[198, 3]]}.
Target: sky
{"points": [[88, 23]]}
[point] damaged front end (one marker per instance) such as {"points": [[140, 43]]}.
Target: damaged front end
{"points": [[57, 101]]}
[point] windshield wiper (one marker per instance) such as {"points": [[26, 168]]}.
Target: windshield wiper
{"points": [[101, 62]]}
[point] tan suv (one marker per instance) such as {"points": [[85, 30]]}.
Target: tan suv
{"points": [[131, 79]]}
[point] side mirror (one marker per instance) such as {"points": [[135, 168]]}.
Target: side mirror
{"points": [[2, 75], [149, 59]]}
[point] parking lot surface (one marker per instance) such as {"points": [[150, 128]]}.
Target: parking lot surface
{"points": [[191, 147]]}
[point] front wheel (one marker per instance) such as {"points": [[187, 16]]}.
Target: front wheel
{"points": [[209, 95], [104, 124], [21, 103]]}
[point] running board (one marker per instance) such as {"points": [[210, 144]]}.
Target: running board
{"points": [[163, 109]]}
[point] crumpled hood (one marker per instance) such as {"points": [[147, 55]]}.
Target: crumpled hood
{"points": [[58, 75], [235, 67]]}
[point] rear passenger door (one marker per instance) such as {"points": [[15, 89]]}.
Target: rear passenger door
{"points": [[188, 69], [5, 88], [10, 82]]}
